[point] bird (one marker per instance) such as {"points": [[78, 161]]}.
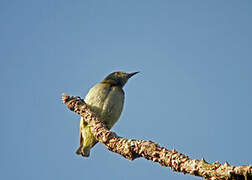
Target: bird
{"points": [[106, 100]]}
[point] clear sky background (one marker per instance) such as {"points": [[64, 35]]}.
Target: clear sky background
{"points": [[193, 93]]}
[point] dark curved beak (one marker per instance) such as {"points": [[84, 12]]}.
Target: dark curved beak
{"points": [[132, 74]]}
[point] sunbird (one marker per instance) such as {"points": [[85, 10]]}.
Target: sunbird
{"points": [[106, 100]]}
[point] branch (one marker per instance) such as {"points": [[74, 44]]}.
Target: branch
{"points": [[132, 149]]}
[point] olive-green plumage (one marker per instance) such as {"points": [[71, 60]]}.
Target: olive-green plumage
{"points": [[106, 100]]}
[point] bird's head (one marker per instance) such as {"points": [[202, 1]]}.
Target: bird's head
{"points": [[118, 78]]}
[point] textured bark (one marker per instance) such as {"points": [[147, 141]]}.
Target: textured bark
{"points": [[132, 149]]}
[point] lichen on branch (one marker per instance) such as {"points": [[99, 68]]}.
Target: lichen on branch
{"points": [[132, 149]]}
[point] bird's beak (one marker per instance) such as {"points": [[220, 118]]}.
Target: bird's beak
{"points": [[132, 74]]}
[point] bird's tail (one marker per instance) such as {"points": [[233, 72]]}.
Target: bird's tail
{"points": [[84, 151]]}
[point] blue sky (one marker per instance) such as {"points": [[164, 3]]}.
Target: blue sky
{"points": [[193, 93]]}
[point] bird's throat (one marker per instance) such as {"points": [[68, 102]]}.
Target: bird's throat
{"points": [[113, 86], [111, 83]]}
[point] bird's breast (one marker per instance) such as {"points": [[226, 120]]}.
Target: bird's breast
{"points": [[107, 102]]}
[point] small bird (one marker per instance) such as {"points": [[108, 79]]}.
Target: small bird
{"points": [[106, 100]]}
